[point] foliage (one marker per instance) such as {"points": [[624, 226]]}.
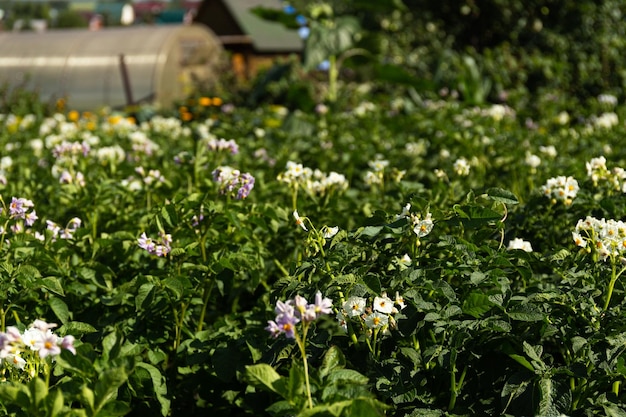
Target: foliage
{"points": [[441, 233]]}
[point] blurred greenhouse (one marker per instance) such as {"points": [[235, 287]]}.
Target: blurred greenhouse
{"points": [[113, 67]]}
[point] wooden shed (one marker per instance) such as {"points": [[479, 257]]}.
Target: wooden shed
{"points": [[114, 66], [253, 42]]}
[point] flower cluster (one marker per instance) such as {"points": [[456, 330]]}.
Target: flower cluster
{"points": [[606, 237], [421, 226], [598, 172], [151, 177], [376, 173], [20, 213], [159, 247], [141, 144], [292, 312], [38, 339], [606, 120], [561, 188], [233, 182], [19, 209], [218, 145], [63, 233], [374, 319], [314, 181]]}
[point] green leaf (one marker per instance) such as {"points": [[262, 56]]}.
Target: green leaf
{"points": [[107, 386], [369, 231], [76, 328], [15, 393], [54, 402], [53, 284], [38, 391], [373, 283], [176, 285], [554, 398], [347, 376], [476, 304], [475, 216], [502, 196], [263, 375], [144, 296], [88, 399], [159, 385], [612, 410], [60, 309], [526, 312], [333, 359], [296, 384], [168, 213], [522, 361]]}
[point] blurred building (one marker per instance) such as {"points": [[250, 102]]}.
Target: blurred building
{"points": [[253, 42]]}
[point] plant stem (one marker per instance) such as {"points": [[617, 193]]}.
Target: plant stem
{"points": [[205, 301], [455, 387], [301, 345], [333, 75], [614, 276]]}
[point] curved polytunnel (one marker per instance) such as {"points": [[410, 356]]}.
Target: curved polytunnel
{"points": [[111, 67]]}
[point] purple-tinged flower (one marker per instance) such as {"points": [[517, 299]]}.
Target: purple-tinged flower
{"points": [[230, 179], [67, 343], [30, 218], [18, 207], [287, 325], [284, 308], [302, 309], [43, 325], [53, 227], [322, 305], [159, 247], [218, 145], [48, 345], [273, 328]]}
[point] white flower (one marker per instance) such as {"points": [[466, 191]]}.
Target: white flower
{"points": [[404, 262], [606, 120], [548, 151], [330, 231], [562, 118], [376, 320], [461, 167], [299, 220], [579, 240], [406, 211], [532, 160], [422, 227], [383, 304], [521, 244], [400, 301], [354, 306]]}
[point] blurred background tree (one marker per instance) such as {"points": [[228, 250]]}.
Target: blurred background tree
{"points": [[509, 51]]}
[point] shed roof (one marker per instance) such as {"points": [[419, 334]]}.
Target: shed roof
{"points": [[264, 35]]}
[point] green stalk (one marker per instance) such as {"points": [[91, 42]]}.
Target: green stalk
{"points": [[301, 346], [614, 276], [205, 301], [455, 387], [333, 75]]}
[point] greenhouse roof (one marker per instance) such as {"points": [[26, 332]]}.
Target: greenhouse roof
{"points": [[265, 36]]}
